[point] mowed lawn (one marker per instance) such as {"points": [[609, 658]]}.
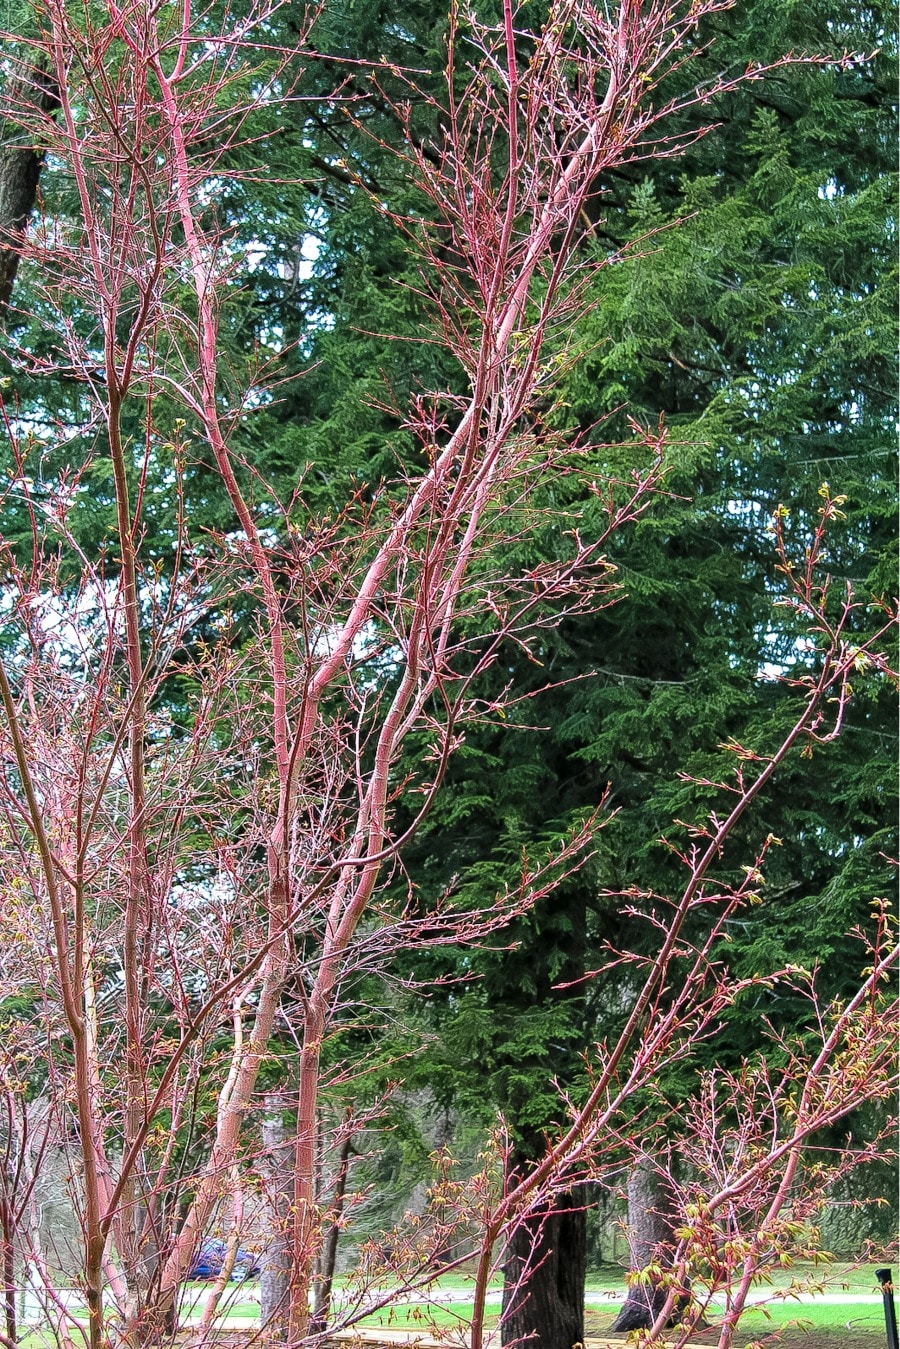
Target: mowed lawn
{"points": [[817, 1323], [848, 1324]]}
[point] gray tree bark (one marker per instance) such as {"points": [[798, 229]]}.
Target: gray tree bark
{"points": [[274, 1279], [21, 161], [651, 1218], [543, 1278]]}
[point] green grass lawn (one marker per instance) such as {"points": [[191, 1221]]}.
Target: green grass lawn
{"points": [[786, 1313], [850, 1326], [806, 1325], [758, 1320], [606, 1289], [840, 1276]]}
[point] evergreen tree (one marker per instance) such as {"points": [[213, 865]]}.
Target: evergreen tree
{"points": [[759, 326], [750, 307]]}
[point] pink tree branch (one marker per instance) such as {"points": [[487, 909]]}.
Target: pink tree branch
{"points": [[112, 815]]}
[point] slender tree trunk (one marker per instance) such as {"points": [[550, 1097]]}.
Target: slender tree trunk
{"points": [[20, 172], [651, 1218], [232, 1245], [306, 1230], [544, 1274], [275, 1276], [7, 1242], [328, 1255]]}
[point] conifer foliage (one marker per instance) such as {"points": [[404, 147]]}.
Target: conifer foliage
{"points": [[279, 652]]}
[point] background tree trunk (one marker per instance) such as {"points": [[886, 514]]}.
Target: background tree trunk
{"points": [[543, 1287], [650, 1221], [8, 1250], [274, 1279], [328, 1255], [20, 172]]}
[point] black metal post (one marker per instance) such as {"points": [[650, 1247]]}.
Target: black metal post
{"points": [[890, 1312]]}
